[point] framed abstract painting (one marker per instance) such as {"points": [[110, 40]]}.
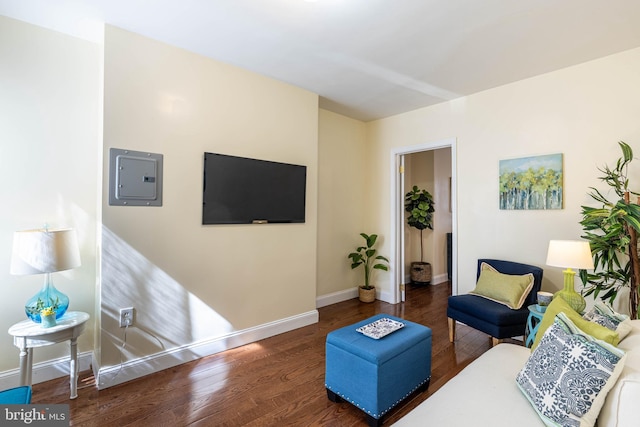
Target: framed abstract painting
{"points": [[531, 183]]}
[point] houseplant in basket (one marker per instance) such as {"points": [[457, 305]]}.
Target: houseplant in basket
{"points": [[420, 207], [366, 256]]}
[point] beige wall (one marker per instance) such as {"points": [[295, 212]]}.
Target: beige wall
{"points": [[580, 111], [190, 282], [342, 186], [49, 153]]}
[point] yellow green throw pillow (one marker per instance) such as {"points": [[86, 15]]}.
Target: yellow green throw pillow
{"points": [[508, 289], [558, 305]]}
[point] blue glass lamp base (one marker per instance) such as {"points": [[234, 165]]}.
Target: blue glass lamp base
{"points": [[48, 296]]}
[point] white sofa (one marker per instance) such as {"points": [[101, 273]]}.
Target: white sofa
{"points": [[485, 393]]}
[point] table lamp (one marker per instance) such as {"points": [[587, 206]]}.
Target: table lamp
{"points": [[570, 254], [44, 252]]}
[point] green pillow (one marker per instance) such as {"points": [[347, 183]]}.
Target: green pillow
{"points": [[558, 305], [508, 289]]}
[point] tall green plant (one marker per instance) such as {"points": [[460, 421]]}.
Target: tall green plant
{"points": [[612, 234], [366, 256], [420, 206]]}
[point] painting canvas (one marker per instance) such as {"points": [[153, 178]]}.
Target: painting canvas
{"points": [[531, 182]]}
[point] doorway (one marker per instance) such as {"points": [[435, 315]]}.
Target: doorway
{"points": [[398, 176]]}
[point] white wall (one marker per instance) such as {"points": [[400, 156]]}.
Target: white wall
{"points": [[49, 153], [580, 111], [188, 282]]}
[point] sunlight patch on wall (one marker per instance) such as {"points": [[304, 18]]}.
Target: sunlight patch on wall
{"points": [[167, 315]]}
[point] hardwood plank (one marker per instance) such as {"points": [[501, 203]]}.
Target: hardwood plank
{"points": [[273, 382]]}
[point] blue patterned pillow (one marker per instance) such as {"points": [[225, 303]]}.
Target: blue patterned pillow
{"points": [[569, 374], [604, 315]]}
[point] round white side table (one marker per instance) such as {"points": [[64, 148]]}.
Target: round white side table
{"points": [[28, 335]]}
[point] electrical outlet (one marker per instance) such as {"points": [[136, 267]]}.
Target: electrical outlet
{"points": [[126, 317]]}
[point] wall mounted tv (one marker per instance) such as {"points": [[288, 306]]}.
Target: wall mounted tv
{"points": [[238, 190]]}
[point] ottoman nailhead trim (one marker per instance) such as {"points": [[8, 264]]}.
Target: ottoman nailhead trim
{"points": [[348, 399]]}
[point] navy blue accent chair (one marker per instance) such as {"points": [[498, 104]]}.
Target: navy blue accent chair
{"points": [[492, 318]]}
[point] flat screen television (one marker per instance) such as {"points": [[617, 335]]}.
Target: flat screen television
{"points": [[239, 190]]}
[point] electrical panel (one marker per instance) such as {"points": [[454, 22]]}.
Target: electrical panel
{"points": [[135, 178]]}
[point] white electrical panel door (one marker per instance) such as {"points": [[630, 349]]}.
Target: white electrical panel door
{"points": [[135, 178]]}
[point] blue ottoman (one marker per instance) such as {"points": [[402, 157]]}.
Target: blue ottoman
{"points": [[376, 374], [16, 396]]}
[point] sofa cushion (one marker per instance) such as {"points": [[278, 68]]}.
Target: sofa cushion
{"points": [[482, 394], [604, 315], [508, 289], [492, 399], [620, 408], [568, 376], [558, 305]]}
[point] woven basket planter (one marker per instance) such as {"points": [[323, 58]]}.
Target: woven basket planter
{"points": [[420, 273], [367, 295]]}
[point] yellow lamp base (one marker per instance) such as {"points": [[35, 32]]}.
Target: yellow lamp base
{"points": [[568, 293]]}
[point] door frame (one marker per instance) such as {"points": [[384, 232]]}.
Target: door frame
{"points": [[397, 214]]}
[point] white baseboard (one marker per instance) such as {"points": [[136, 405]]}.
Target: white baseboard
{"points": [[335, 297], [107, 377], [435, 280], [45, 371], [386, 296], [132, 369], [440, 278]]}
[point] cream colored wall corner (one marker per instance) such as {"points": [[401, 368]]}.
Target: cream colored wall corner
{"points": [[49, 128], [342, 186], [191, 283], [581, 111]]}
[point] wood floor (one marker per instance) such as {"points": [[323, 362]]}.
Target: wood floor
{"points": [[278, 381]]}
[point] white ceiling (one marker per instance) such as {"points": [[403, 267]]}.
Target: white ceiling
{"points": [[367, 59]]}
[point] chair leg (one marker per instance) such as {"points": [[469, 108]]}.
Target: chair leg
{"points": [[452, 329]]}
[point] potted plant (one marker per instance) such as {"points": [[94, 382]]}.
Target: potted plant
{"points": [[48, 316], [420, 207], [366, 256], [612, 232]]}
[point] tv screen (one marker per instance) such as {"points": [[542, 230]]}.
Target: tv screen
{"points": [[238, 190]]}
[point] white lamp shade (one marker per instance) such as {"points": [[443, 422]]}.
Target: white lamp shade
{"points": [[44, 251], [570, 254]]}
